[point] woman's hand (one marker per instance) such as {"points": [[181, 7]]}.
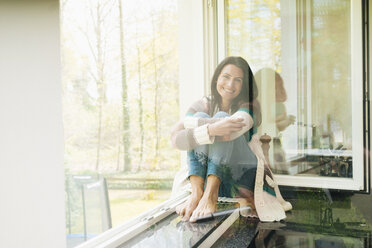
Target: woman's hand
{"points": [[284, 120], [291, 119], [225, 127]]}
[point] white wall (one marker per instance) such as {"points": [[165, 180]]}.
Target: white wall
{"points": [[191, 56], [31, 142], [191, 53]]}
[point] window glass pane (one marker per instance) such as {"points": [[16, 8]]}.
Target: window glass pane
{"points": [[120, 98], [300, 54]]}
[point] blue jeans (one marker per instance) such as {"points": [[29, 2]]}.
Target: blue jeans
{"points": [[233, 162]]}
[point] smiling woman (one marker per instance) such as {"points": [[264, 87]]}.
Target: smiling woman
{"points": [[224, 157]]}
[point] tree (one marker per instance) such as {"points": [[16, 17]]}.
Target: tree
{"points": [[140, 100], [156, 93], [99, 12], [107, 82], [124, 101]]}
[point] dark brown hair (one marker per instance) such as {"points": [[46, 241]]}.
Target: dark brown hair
{"points": [[249, 91], [280, 92]]}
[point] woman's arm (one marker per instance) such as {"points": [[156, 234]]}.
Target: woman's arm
{"points": [[189, 138], [232, 127], [186, 134], [191, 121], [175, 130], [283, 121], [247, 120], [244, 116], [192, 131]]}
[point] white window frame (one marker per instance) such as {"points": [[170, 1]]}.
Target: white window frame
{"points": [[117, 236]]}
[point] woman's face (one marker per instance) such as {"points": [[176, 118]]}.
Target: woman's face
{"points": [[230, 82]]}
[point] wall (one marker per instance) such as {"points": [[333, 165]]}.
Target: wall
{"points": [[191, 56], [31, 142], [191, 53]]}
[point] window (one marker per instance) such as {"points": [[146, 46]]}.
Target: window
{"points": [[120, 98], [308, 64], [310, 84]]}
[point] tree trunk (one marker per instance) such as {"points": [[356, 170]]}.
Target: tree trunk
{"points": [[118, 146], [100, 84], [140, 105], [156, 96], [125, 105]]}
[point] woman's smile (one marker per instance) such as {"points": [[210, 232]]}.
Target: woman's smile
{"points": [[229, 84], [228, 91]]}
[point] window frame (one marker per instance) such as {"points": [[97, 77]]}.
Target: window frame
{"points": [[116, 236], [360, 93]]}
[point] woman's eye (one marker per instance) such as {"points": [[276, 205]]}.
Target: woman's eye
{"points": [[226, 76]]}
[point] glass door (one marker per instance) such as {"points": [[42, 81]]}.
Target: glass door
{"points": [[308, 62]]}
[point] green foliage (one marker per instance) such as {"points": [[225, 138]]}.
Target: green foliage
{"points": [[254, 32], [156, 38], [330, 63]]}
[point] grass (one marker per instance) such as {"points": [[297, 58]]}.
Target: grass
{"points": [[126, 204]]}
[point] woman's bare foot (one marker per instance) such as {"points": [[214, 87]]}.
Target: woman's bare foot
{"points": [[208, 203], [247, 199], [187, 208]]}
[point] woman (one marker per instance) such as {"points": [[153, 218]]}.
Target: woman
{"points": [[278, 116], [220, 160]]}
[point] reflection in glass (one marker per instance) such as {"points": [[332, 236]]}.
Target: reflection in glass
{"points": [[173, 232], [300, 53]]}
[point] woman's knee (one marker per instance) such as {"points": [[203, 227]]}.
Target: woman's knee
{"points": [[201, 115], [221, 114]]}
